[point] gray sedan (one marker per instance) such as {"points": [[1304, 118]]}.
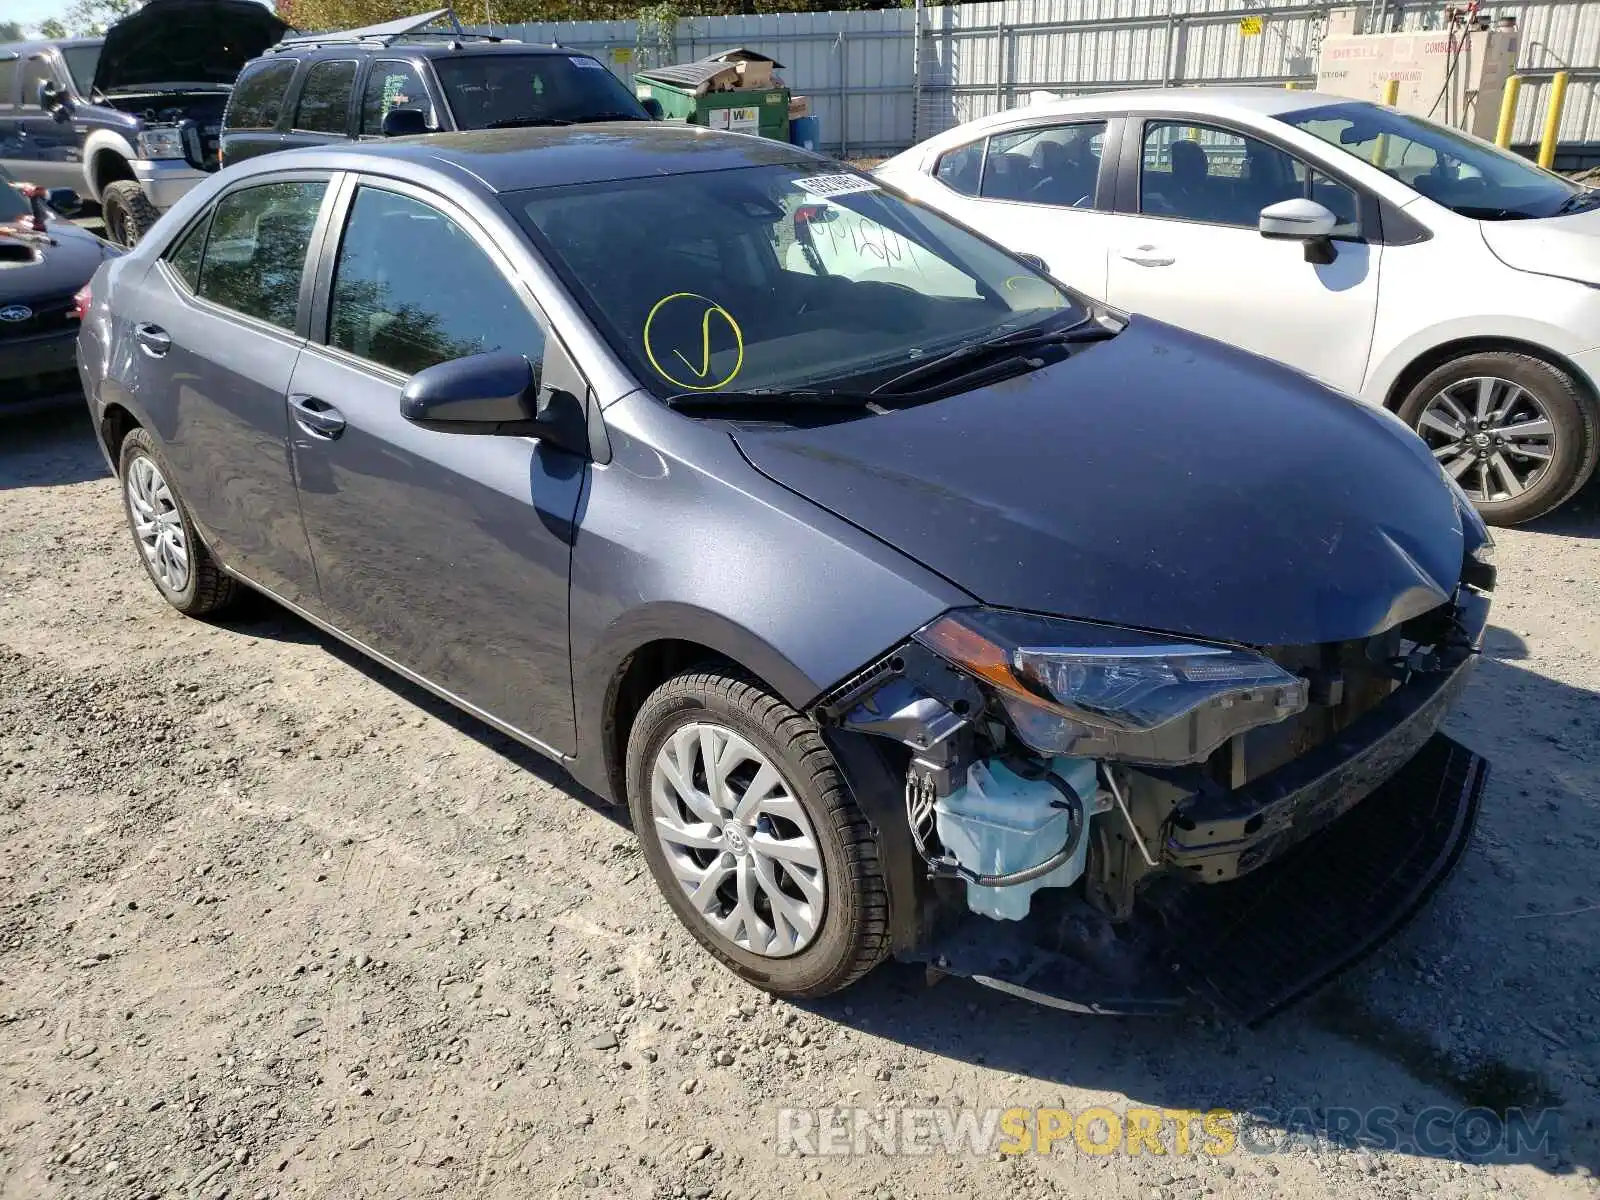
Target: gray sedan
{"points": [[913, 603]]}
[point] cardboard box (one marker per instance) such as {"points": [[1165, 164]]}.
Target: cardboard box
{"points": [[799, 106]]}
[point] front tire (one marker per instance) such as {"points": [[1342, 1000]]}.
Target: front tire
{"points": [[127, 212], [752, 835], [1515, 432], [173, 555]]}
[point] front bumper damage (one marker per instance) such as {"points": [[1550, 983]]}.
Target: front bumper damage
{"points": [[1248, 896]]}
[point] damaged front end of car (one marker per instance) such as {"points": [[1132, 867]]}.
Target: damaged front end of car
{"points": [[1113, 821]]}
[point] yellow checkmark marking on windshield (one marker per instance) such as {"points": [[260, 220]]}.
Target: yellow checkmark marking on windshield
{"points": [[699, 375]]}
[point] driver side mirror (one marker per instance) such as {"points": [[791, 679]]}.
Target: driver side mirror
{"points": [[1301, 220], [496, 393], [405, 122], [52, 100]]}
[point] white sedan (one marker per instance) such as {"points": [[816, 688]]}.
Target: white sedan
{"points": [[1411, 265]]}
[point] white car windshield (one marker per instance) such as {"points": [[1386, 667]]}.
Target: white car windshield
{"points": [[1462, 173], [778, 277]]}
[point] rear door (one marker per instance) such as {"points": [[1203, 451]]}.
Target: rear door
{"points": [[1042, 188], [322, 106], [220, 325], [1187, 249], [250, 125], [447, 554]]}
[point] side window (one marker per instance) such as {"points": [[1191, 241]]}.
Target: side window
{"points": [[8, 81], [35, 71], [256, 253], [325, 99], [257, 100], [1332, 195], [392, 85], [412, 289], [958, 169], [1053, 164], [184, 257]]}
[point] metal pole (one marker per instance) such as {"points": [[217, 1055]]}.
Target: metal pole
{"points": [[916, 73], [1508, 112], [844, 97], [1000, 67], [1552, 119]]}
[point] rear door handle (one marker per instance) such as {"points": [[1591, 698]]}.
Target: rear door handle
{"points": [[153, 339], [1148, 256], [317, 417]]}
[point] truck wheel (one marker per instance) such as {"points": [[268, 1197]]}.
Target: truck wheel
{"points": [[179, 564], [1514, 431], [752, 835], [127, 211]]}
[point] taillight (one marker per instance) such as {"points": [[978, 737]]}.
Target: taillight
{"points": [[81, 301]]}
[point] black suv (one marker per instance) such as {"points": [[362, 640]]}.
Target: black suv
{"points": [[397, 78], [129, 120]]}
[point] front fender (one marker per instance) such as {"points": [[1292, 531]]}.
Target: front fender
{"points": [[104, 140]]}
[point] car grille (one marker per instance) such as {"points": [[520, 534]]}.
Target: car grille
{"points": [[53, 315]]}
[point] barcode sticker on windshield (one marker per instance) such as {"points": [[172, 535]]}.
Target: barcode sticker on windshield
{"points": [[588, 64], [836, 185]]}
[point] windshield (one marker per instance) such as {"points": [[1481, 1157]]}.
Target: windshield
{"points": [[795, 276], [81, 64], [1450, 168], [489, 90]]}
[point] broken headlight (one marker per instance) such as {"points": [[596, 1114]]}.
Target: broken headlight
{"points": [[1095, 691]]}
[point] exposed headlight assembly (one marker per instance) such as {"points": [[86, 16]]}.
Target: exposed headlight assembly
{"points": [[161, 143], [1094, 691]]}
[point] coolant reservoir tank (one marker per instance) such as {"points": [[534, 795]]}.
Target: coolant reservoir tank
{"points": [[1000, 823]]}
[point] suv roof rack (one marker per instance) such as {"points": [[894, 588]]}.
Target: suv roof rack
{"points": [[387, 33]]}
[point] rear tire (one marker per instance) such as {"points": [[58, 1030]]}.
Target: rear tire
{"points": [[831, 926], [127, 212], [173, 555], [1546, 468]]}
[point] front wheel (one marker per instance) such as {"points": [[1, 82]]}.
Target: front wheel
{"points": [[1514, 431], [751, 833], [127, 212]]}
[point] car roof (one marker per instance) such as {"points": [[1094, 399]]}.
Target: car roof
{"points": [[443, 48], [508, 160], [1222, 102]]}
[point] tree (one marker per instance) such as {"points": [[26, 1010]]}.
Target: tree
{"points": [[52, 29], [10, 31], [89, 18]]}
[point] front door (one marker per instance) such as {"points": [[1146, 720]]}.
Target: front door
{"points": [[43, 149], [448, 554], [1191, 253], [215, 346]]}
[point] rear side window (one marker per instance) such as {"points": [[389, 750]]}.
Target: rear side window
{"points": [[257, 100], [184, 258], [1053, 164], [412, 289], [8, 81], [325, 99], [392, 85], [958, 169], [256, 253]]}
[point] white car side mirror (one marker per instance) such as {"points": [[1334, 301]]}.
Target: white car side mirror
{"points": [[1298, 220]]}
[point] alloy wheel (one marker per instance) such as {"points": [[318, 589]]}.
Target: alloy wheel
{"points": [[737, 840], [1492, 436], [157, 525]]}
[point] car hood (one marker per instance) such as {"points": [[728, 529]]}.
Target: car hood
{"points": [[173, 42], [1159, 480], [53, 270], [1566, 247]]}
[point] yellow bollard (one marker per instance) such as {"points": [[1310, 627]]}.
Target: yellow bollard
{"points": [[1552, 119], [1508, 112], [1391, 92]]}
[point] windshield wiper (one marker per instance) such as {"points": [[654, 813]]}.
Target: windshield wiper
{"points": [[1004, 347], [770, 403], [1577, 202], [514, 122]]}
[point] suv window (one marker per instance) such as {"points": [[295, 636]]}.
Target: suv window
{"points": [[35, 70], [412, 289], [257, 100], [392, 84], [324, 105], [1053, 164], [8, 82], [256, 253], [1198, 173], [82, 62], [484, 90]]}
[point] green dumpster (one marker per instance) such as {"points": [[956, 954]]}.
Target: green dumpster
{"points": [[733, 90]]}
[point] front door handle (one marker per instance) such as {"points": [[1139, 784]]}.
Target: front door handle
{"points": [[317, 417], [1148, 256], [153, 339]]}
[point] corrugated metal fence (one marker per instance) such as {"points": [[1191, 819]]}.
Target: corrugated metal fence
{"points": [[883, 80]]}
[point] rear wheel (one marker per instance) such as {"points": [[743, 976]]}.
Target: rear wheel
{"points": [[753, 836], [127, 212], [178, 563], [1514, 431]]}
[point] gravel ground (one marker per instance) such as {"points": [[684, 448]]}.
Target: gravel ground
{"points": [[275, 923]]}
